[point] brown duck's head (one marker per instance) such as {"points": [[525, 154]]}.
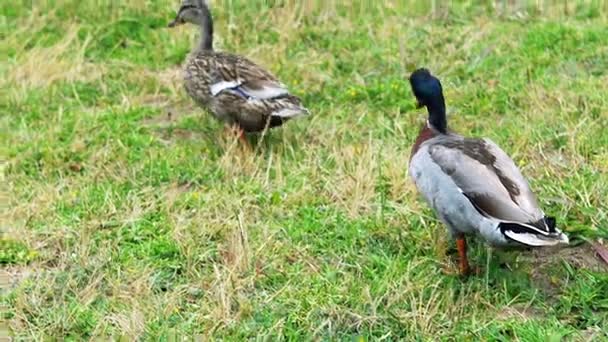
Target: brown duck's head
{"points": [[196, 12], [190, 11]]}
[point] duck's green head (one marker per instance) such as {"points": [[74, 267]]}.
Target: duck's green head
{"points": [[426, 87], [429, 94]]}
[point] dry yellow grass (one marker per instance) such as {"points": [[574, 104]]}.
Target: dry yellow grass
{"points": [[128, 212]]}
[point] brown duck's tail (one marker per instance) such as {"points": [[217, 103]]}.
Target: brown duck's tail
{"points": [[275, 121]]}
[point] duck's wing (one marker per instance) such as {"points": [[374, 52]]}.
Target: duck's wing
{"points": [[264, 93], [486, 175], [257, 89], [233, 72]]}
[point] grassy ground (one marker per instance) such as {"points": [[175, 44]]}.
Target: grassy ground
{"points": [[130, 213]]}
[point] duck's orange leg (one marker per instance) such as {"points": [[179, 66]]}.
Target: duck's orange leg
{"points": [[242, 137], [240, 134], [463, 262]]}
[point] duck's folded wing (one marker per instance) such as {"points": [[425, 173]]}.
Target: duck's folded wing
{"points": [[488, 178], [241, 76], [525, 198], [263, 89], [253, 90]]}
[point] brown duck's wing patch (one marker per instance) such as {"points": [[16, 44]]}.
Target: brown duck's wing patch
{"points": [[264, 89], [253, 81], [233, 67]]}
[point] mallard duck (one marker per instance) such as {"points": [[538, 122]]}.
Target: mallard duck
{"points": [[233, 88], [472, 184]]}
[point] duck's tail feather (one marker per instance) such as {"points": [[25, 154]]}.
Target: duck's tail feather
{"points": [[275, 121], [291, 112], [550, 222], [525, 235]]}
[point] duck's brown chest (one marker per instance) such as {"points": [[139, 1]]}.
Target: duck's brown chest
{"points": [[197, 78], [425, 134]]}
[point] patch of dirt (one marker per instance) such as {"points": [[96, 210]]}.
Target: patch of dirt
{"points": [[170, 115], [519, 311], [153, 100], [592, 334], [11, 277], [543, 263], [163, 123], [175, 190], [171, 111], [584, 256], [177, 133]]}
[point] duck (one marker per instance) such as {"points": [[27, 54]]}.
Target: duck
{"points": [[473, 186], [234, 89]]}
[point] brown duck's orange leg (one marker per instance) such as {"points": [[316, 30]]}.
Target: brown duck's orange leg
{"points": [[461, 245], [235, 130], [243, 137]]}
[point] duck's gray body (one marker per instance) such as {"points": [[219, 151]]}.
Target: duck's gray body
{"points": [[474, 187]]}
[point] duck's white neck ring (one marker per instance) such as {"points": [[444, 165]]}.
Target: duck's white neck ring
{"points": [[430, 125]]}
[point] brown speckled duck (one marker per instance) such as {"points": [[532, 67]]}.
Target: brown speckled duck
{"points": [[233, 88], [472, 184]]}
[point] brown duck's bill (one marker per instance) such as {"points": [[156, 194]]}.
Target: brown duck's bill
{"points": [[175, 22]]}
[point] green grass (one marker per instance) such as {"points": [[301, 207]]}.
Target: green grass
{"points": [[120, 221]]}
